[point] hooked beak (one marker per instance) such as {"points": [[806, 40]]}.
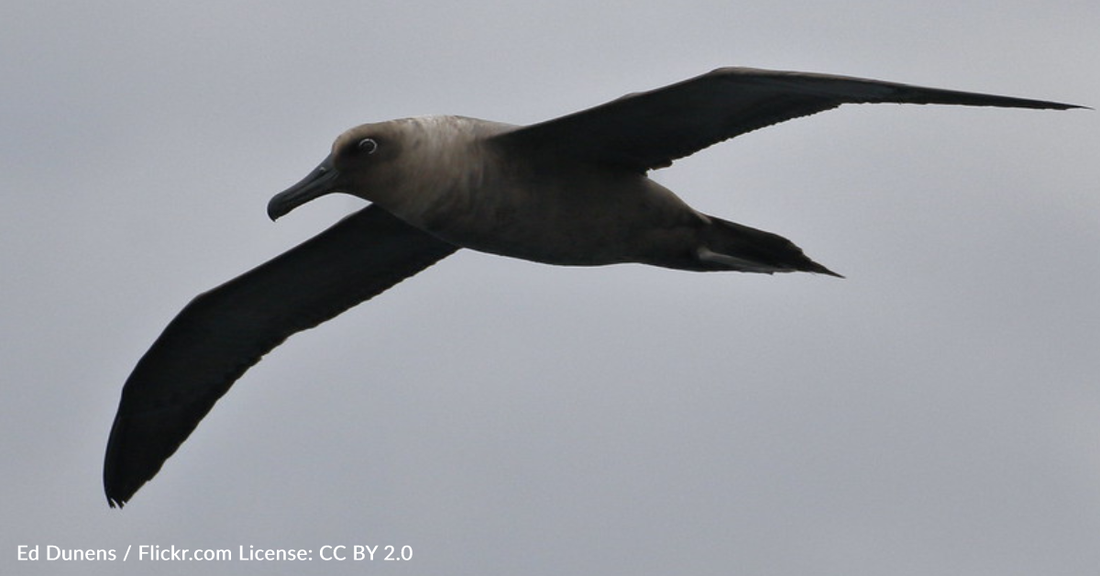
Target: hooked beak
{"points": [[321, 181]]}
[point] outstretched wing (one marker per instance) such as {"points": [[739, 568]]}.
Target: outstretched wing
{"points": [[223, 332], [649, 130]]}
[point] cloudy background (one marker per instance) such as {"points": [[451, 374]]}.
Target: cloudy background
{"points": [[937, 412]]}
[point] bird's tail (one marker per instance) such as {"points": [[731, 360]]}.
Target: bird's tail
{"points": [[731, 246]]}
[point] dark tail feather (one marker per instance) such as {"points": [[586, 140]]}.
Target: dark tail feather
{"points": [[731, 246]]}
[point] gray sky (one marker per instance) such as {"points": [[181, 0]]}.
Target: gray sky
{"points": [[937, 412]]}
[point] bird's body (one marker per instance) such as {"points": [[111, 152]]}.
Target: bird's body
{"points": [[476, 194], [569, 191], [458, 179]]}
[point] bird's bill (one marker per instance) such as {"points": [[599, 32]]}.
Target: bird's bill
{"points": [[321, 181]]}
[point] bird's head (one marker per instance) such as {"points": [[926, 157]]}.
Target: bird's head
{"points": [[363, 163]]}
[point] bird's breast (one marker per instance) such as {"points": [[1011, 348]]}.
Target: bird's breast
{"points": [[570, 216]]}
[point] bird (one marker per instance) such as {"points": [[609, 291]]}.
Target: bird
{"points": [[570, 191]]}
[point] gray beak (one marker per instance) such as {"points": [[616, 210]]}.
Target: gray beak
{"points": [[321, 181]]}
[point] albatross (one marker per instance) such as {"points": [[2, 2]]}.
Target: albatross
{"points": [[569, 191]]}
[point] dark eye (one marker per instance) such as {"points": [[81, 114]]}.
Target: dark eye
{"points": [[367, 145]]}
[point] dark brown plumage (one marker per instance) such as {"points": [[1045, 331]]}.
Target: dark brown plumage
{"points": [[568, 191]]}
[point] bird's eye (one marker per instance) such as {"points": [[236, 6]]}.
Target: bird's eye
{"points": [[367, 145]]}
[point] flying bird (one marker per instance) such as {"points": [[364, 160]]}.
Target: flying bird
{"points": [[568, 191]]}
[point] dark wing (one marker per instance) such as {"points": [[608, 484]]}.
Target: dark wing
{"points": [[651, 129], [223, 332]]}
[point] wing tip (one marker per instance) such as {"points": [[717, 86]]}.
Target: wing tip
{"points": [[118, 492], [815, 268]]}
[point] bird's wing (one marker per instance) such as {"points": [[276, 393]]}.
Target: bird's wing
{"points": [[649, 130], [223, 332]]}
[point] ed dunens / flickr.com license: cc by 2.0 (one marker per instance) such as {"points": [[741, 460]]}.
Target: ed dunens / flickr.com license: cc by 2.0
{"points": [[156, 553]]}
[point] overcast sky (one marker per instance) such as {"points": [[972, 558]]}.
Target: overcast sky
{"points": [[937, 412]]}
